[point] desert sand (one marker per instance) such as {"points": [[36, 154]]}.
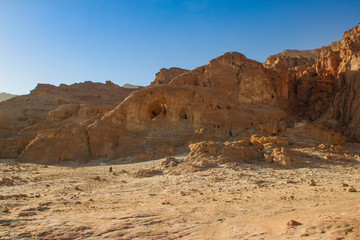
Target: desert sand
{"points": [[127, 200], [268, 151]]}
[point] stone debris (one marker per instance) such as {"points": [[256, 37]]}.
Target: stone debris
{"points": [[293, 223], [141, 173], [312, 182]]}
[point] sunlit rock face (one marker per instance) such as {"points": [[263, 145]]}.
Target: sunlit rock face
{"points": [[51, 112], [215, 102], [226, 97], [166, 75], [323, 83]]}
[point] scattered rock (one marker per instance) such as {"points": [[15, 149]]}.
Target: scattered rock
{"points": [[312, 182], [146, 173], [6, 210], [351, 189], [293, 223], [268, 158], [12, 181], [169, 162], [209, 154], [284, 156], [27, 213], [270, 140], [98, 178]]}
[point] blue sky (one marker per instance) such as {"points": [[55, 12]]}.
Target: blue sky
{"points": [[128, 41]]}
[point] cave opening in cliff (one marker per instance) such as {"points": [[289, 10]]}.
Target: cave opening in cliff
{"points": [[156, 108], [183, 115]]}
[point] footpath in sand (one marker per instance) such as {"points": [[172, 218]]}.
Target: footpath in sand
{"points": [[145, 201]]}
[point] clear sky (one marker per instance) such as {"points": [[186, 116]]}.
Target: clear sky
{"points": [[128, 41]]}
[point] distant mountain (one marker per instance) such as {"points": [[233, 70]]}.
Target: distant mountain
{"points": [[5, 96], [130, 86]]}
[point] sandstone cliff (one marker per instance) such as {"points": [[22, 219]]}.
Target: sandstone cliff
{"points": [[344, 113], [166, 75], [216, 102], [324, 80], [47, 109]]}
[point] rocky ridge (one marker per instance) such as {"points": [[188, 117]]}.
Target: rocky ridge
{"points": [[221, 101], [323, 83], [166, 75], [52, 111]]}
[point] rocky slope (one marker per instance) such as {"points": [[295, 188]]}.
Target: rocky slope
{"points": [[166, 75], [216, 102], [324, 83], [54, 110], [309, 191]]}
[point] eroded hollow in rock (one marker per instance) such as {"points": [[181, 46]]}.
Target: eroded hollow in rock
{"points": [[156, 108], [183, 114]]}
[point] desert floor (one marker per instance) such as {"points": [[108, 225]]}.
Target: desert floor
{"points": [[247, 201]]}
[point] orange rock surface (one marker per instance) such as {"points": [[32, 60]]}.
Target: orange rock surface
{"points": [[219, 101]]}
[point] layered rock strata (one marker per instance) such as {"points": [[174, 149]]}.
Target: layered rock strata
{"points": [[166, 75], [48, 110], [324, 83], [216, 102]]}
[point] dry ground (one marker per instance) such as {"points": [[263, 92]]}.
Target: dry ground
{"points": [[248, 201]]}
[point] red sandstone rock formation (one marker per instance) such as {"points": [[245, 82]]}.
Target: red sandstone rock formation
{"points": [[323, 79], [49, 109], [226, 97], [215, 102], [345, 107], [166, 75]]}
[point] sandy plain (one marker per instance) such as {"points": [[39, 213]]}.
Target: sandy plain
{"points": [[140, 201]]}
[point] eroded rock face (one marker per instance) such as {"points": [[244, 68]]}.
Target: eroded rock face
{"points": [[226, 97], [57, 145], [323, 79], [27, 117], [292, 59], [345, 108], [166, 75], [236, 79], [217, 102]]}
